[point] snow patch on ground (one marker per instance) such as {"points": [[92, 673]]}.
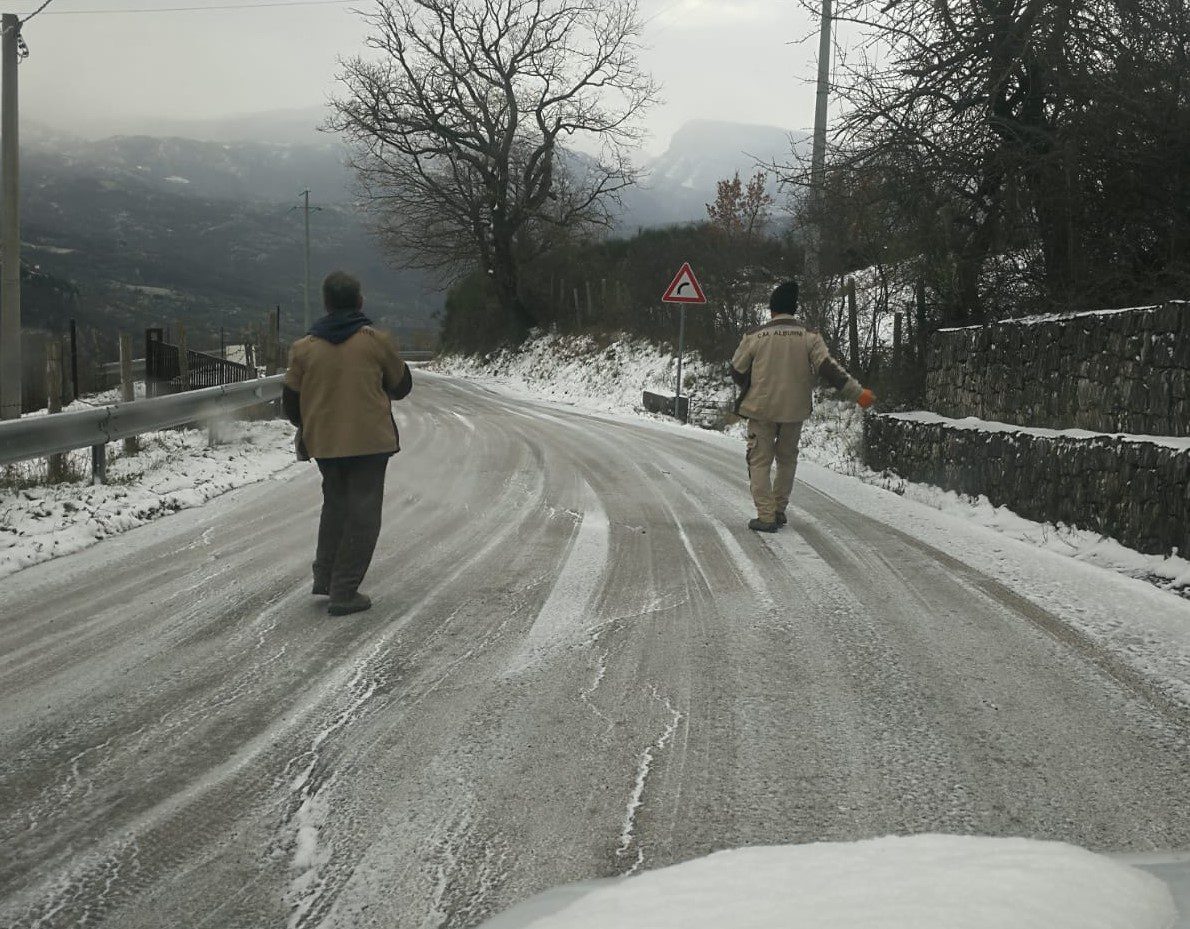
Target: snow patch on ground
{"points": [[174, 470], [916, 882]]}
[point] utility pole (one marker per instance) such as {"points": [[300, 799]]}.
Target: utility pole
{"points": [[818, 153], [306, 290], [10, 225], [307, 209]]}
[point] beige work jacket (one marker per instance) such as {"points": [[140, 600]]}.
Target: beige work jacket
{"points": [[784, 359], [346, 410]]}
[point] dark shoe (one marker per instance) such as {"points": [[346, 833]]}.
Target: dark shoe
{"points": [[759, 525], [356, 604], [321, 589], [781, 519]]}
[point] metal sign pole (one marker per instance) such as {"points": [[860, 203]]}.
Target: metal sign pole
{"points": [[681, 352]]}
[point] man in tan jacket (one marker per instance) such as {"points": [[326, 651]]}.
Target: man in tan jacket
{"points": [[339, 389], [776, 366]]}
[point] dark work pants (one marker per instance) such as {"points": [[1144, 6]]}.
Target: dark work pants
{"points": [[352, 497]]}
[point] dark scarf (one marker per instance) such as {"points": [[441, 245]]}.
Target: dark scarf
{"points": [[337, 328]]}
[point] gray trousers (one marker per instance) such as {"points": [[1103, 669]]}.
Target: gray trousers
{"points": [[352, 499], [769, 442]]}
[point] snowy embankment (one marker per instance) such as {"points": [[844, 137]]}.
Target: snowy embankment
{"points": [[174, 470], [610, 375], [596, 374], [917, 882]]}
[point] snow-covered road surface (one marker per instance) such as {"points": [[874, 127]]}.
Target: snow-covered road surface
{"points": [[580, 664]]}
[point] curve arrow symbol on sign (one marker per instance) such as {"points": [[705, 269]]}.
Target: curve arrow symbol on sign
{"points": [[684, 288]]}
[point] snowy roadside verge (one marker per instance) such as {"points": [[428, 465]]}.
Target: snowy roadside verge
{"points": [[174, 470], [833, 439], [608, 375]]}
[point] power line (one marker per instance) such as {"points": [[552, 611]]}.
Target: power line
{"points": [[35, 12], [196, 9]]}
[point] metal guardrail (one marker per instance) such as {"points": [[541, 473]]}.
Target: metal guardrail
{"points": [[39, 436]]}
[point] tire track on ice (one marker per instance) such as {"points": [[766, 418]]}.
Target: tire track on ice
{"points": [[309, 787], [560, 621], [89, 876]]}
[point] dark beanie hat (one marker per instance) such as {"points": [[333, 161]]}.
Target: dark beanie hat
{"points": [[784, 298]]}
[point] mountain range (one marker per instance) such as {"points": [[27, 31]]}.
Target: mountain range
{"points": [[143, 229]]}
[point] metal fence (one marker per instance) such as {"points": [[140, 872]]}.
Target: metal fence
{"points": [[163, 369]]}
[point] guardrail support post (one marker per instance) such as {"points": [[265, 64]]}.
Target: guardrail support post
{"points": [[98, 464]]}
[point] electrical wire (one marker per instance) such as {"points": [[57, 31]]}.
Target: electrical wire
{"points": [[201, 9], [35, 12]]}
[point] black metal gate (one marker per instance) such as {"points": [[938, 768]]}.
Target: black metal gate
{"points": [[163, 374]]}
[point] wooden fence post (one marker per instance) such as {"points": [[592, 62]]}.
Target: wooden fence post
{"points": [[127, 390], [590, 304], [53, 388], [270, 341], [74, 360], [92, 378]]}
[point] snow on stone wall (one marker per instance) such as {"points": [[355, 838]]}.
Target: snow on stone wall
{"points": [[1114, 371], [1132, 490]]}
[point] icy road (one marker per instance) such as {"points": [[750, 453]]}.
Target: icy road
{"points": [[580, 664]]}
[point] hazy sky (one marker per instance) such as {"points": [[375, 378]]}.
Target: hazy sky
{"points": [[717, 59]]}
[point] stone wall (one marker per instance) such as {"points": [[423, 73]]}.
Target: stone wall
{"points": [[1113, 371], [1135, 491]]}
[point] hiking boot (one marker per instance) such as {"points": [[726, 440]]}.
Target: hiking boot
{"points": [[357, 603], [759, 525], [780, 518]]}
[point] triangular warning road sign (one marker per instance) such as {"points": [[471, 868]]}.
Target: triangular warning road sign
{"points": [[685, 288]]}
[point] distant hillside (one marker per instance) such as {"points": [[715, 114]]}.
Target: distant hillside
{"points": [[147, 229], [152, 229]]}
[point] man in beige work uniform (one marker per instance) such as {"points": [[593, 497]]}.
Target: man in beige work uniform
{"points": [[776, 366], [339, 389]]}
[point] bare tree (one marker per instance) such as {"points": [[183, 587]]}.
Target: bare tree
{"points": [[458, 127], [1036, 148], [740, 270]]}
